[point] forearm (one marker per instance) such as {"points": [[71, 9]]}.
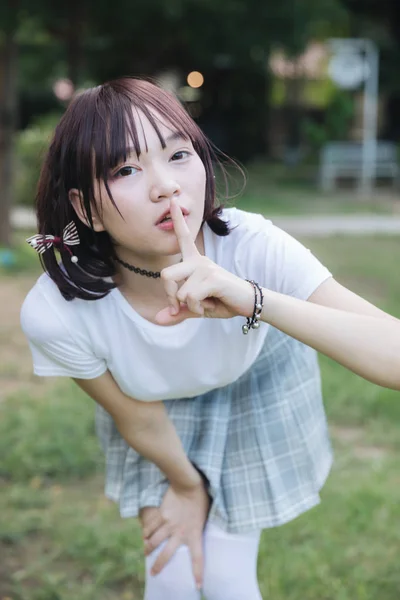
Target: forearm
{"points": [[368, 346], [146, 427], [153, 435]]}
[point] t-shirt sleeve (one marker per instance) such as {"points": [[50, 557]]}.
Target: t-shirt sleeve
{"points": [[54, 342], [278, 261]]}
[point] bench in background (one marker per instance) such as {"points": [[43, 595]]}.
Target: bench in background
{"points": [[344, 159]]}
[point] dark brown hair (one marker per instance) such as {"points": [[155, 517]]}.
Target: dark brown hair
{"points": [[94, 132]]}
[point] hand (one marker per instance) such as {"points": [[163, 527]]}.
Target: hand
{"points": [[208, 290], [180, 519]]}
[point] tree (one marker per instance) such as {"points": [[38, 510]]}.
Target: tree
{"points": [[8, 112], [229, 40], [16, 18]]}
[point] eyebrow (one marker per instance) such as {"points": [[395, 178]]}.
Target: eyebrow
{"points": [[172, 137]]}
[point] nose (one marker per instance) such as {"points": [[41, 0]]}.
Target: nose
{"points": [[163, 187]]}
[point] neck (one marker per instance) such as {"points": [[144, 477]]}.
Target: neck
{"points": [[135, 285]]}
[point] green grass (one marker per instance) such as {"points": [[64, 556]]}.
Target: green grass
{"points": [[368, 266], [61, 540], [58, 438], [345, 549]]}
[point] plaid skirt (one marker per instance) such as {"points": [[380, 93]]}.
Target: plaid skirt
{"points": [[261, 441]]}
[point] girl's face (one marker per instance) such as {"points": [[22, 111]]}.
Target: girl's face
{"points": [[142, 188]]}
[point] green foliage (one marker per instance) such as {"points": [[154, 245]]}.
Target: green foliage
{"points": [[337, 121], [23, 260], [48, 437], [30, 147]]}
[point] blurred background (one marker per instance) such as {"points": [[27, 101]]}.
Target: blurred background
{"points": [[305, 95]]}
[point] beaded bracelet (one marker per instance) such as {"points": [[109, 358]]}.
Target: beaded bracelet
{"points": [[253, 322]]}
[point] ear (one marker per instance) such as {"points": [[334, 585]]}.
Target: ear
{"points": [[75, 197]]}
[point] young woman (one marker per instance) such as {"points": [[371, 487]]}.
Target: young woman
{"points": [[194, 329]]}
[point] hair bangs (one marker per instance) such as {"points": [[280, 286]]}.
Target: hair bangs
{"points": [[100, 127], [116, 127], [158, 106]]}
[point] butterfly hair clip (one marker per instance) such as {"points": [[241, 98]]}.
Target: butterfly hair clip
{"points": [[69, 237]]}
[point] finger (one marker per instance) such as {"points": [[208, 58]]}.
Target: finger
{"points": [[193, 291], [147, 515], [194, 305], [182, 231], [152, 525], [164, 317], [196, 553], [156, 539], [198, 293], [171, 289], [165, 556], [171, 276]]}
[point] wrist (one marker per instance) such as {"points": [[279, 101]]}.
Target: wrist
{"points": [[249, 300], [252, 322], [189, 484]]}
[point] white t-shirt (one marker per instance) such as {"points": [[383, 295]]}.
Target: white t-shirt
{"points": [[83, 339]]}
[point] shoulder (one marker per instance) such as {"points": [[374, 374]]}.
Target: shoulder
{"points": [[242, 222], [45, 314], [57, 332], [247, 226], [251, 243], [249, 230], [262, 251]]}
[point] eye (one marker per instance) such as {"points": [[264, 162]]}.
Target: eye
{"points": [[126, 171], [180, 155]]}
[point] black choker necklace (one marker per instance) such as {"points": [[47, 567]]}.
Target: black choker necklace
{"points": [[153, 274]]}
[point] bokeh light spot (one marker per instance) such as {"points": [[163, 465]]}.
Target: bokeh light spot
{"points": [[195, 79]]}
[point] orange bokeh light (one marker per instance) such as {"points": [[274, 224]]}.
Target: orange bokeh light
{"points": [[195, 79]]}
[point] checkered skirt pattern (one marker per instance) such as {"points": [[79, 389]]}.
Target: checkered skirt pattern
{"points": [[262, 442]]}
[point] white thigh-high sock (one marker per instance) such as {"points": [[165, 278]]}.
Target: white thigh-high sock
{"points": [[230, 570], [175, 582]]}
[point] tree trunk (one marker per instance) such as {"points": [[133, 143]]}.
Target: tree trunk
{"points": [[8, 113], [74, 40]]}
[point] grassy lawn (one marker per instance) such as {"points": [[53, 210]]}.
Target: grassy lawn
{"points": [[61, 540]]}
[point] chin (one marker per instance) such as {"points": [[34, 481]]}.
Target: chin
{"points": [[174, 248]]}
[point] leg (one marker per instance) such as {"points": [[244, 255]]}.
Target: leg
{"points": [[230, 565], [175, 582]]}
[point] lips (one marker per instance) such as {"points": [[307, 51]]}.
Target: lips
{"points": [[185, 212]]}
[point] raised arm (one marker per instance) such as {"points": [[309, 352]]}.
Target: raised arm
{"points": [[334, 321]]}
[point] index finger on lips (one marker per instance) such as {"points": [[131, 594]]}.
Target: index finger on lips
{"points": [[182, 231]]}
